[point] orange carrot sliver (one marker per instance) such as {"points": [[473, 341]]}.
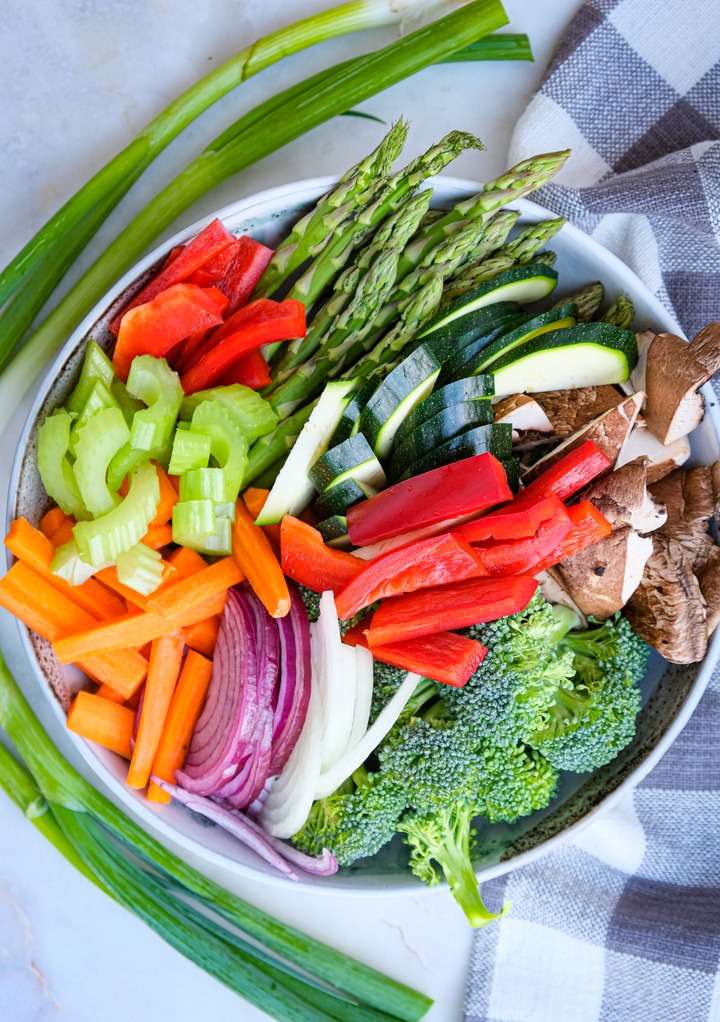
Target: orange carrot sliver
{"points": [[202, 636], [257, 560], [102, 721], [168, 497], [109, 577], [51, 521], [131, 630], [182, 716], [105, 692], [163, 672], [64, 532], [34, 548], [189, 592], [255, 498], [158, 536], [186, 561]]}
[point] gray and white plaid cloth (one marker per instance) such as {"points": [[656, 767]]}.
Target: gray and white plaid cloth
{"points": [[623, 924]]}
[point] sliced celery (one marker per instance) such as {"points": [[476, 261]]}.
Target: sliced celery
{"points": [[229, 440], [69, 565], [100, 396], [158, 386], [102, 436], [140, 568], [190, 450], [210, 483], [111, 534], [54, 466], [128, 405], [256, 414], [192, 518], [128, 458], [96, 366], [219, 543]]}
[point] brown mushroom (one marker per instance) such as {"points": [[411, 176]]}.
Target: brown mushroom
{"points": [[674, 373], [623, 498], [570, 410], [554, 591], [660, 459], [602, 578], [689, 498], [709, 579], [668, 609], [530, 424], [609, 431]]}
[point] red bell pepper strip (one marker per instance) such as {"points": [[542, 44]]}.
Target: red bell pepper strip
{"points": [[252, 370], [211, 240], [514, 521], [305, 557], [569, 474], [588, 526], [430, 562], [262, 322], [448, 607], [445, 657], [218, 297], [450, 491], [158, 325], [242, 274], [211, 271], [518, 556], [172, 255]]}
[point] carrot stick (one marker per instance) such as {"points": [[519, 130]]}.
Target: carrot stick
{"points": [[158, 536], [105, 692], [33, 548], [109, 577], [132, 629], [202, 636], [51, 521], [32, 600], [165, 661], [168, 497], [102, 721], [187, 561], [189, 592], [64, 532], [255, 498], [182, 716], [256, 558]]}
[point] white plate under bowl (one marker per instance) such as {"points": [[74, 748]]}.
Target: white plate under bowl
{"points": [[670, 693]]}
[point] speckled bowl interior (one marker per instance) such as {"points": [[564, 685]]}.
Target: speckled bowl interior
{"points": [[670, 693]]}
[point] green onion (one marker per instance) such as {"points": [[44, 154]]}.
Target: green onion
{"points": [[29, 279], [258, 133], [500, 46], [174, 899]]}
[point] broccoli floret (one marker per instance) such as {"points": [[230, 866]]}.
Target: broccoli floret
{"points": [[355, 821], [430, 760], [311, 599], [588, 725], [386, 682], [509, 694], [513, 781]]}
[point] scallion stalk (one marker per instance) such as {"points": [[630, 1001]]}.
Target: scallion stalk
{"points": [[252, 137], [44, 260]]}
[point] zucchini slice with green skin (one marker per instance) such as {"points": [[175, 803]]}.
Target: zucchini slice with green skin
{"points": [[338, 499], [292, 490], [454, 367], [354, 458], [586, 355], [403, 388], [349, 419], [459, 331], [523, 284], [512, 471], [553, 319], [335, 533], [469, 388], [444, 425], [495, 439]]}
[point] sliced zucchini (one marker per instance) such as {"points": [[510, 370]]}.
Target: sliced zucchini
{"points": [[553, 319], [444, 425], [338, 499], [454, 367], [354, 458], [406, 386], [586, 355], [348, 424], [495, 439], [335, 533], [470, 388], [512, 471], [460, 331], [521, 284], [292, 490]]}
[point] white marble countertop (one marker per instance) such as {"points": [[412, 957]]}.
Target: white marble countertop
{"points": [[78, 80]]}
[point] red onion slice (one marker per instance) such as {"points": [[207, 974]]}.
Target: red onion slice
{"points": [[294, 684]]}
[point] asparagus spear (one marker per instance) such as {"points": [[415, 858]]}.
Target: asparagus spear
{"points": [[353, 191], [520, 180], [588, 300], [335, 255], [621, 313]]}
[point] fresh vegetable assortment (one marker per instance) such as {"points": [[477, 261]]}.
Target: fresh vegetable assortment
{"points": [[391, 636]]}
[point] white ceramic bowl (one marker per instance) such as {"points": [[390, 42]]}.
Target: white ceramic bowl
{"points": [[670, 693]]}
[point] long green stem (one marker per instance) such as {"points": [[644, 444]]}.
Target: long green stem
{"points": [[264, 130], [63, 786]]}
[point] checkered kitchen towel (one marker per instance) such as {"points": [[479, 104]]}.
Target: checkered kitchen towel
{"points": [[623, 924]]}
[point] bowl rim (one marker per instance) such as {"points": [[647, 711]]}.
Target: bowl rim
{"points": [[312, 188]]}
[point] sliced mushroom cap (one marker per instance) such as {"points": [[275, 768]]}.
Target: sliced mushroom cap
{"points": [[689, 498], [637, 376], [623, 498], [608, 431], [602, 578], [570, 410], [661, 459], [530, 424], [674, 373], [668, 609], [709, 579], [552, 588]]}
